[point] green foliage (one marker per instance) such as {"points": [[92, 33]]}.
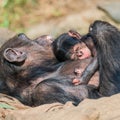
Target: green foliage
{"points": [[6, 21], [12, 10], [9, 4]]}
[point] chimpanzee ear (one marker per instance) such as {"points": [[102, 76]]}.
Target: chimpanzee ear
{"points": [[14, 55], [74, 34]]}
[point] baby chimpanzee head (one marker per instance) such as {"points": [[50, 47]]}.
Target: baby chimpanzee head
{"points": [[68, 46]]}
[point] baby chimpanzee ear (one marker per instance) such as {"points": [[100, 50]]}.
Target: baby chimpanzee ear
{"points": [[14, 55], [74, 34]]}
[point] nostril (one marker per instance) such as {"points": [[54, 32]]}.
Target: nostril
{"points": [[81, 52]]}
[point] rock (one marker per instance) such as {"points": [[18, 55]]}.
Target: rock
{"points": [[112, 9], [106, 108]]}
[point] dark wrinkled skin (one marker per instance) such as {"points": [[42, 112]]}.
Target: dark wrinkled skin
{"points": [[30, 72]]}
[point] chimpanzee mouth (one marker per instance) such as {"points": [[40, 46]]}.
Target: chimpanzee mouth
{"points": [[80, 54]]}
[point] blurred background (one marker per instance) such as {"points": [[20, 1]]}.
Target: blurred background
{"points": [[38, 17]]}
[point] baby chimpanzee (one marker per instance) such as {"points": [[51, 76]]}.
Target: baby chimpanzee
{"points": [[69, 46]]}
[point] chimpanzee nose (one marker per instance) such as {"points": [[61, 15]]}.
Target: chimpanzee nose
{"points": [[22, 36], [79, 53]]}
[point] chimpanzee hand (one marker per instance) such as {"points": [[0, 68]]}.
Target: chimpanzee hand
{"points": [[78, 81], [86, 75]]}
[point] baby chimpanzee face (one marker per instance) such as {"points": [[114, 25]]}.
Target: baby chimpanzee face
{"points": [[68, 46], [80, 51]]}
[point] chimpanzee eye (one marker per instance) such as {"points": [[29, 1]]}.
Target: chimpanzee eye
{"points": [[77, 49]]}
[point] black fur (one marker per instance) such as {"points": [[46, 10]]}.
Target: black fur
{"points": [[61, 46], [106, 38], [38, 79]]}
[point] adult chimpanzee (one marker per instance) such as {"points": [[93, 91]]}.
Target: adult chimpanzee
{"points": [[29, 72], [69, 46], [106, 39]]}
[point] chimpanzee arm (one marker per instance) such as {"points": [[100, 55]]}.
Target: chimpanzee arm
{"points": [[88, 72]]}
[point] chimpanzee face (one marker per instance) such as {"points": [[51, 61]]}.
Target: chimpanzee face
{"points": [[79, 51], [21, 49]]}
